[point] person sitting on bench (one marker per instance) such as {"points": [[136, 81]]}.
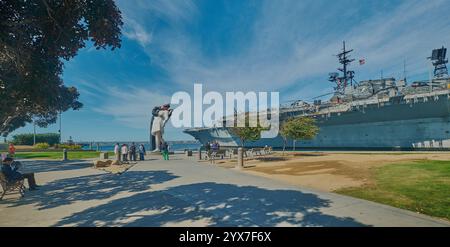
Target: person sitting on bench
{"points": [[12, 174]]}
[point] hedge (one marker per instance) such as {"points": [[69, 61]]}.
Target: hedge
{"points": [[27, 139], [41, 145]]}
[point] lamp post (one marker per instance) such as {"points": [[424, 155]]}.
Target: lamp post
{"points": [[34, 133], [60, 134]]}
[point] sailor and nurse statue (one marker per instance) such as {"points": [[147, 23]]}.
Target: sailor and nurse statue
{"points": [[160, 116]]}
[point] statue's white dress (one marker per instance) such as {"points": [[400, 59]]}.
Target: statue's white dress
{"points": [[158, 127], [159, 122]]}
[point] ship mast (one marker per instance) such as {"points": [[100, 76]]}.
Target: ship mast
{"points": [[439, 62], [347, 75]]}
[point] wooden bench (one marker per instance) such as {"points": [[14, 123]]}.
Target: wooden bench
{"points": [[234, 152], [267, 150], [256, 151], [11, 186], [212, 156]]}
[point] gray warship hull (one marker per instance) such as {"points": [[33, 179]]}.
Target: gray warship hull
{"points": [[419, 121]]}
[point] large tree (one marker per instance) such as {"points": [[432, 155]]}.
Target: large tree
{"points": [[36, 37]]}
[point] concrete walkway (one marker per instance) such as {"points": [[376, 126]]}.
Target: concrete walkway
{"points": [[183, 192]]}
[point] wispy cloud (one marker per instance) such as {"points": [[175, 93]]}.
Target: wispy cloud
{"points": [[131, 106], [135, 31], [293, 41]]}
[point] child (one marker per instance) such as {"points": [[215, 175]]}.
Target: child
{"points": [[165, 150]]}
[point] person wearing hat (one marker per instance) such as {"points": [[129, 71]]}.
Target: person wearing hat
{"points": [[9, 169]]}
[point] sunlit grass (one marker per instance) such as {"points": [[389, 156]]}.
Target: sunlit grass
{"points": [[58, 155], [421, 186]]}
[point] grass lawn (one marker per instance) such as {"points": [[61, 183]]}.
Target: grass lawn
{"points": [[58, 155], [421, 186]]}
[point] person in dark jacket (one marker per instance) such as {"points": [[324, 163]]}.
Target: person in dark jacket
{"points": [[133, 152], [10, 167], [141, 152]]}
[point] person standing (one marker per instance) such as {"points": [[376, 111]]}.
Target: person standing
{"points": [[141, 151], [117, 151], [218, 145], [164, 150], [133, 152], [207, 146], [124, 151], [215, 147], [208, 149], [12, 150]]}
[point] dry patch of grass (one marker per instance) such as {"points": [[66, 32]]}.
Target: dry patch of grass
{"points": [[116, 169]]}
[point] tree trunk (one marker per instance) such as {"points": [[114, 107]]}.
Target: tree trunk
{"points": [[293, 145], [284, 145], [243, 148]]}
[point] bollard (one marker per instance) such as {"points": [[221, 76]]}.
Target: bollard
{"points": [[65, 154], [104, 156], [199, 154], [240, 160]]}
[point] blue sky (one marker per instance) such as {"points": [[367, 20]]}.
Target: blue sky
{"points": [[230, 45]]}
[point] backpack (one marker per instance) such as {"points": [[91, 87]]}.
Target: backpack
{"points": [[155, 111]]}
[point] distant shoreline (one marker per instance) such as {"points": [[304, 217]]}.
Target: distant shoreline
{"points": [[114, 142]]}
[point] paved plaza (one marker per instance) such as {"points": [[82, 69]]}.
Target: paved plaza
{"points": [[183, 192]]}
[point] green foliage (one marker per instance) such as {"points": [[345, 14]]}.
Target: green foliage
{"points": [[41, 145], [68, 146], [247, 133], [36, 36], [299, 128], [27, 139], [57, 155]]}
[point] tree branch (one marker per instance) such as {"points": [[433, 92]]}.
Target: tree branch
{"points": [[49, 12]]}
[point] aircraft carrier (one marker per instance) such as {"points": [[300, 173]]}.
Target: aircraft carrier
{"points": [[383, 114]]}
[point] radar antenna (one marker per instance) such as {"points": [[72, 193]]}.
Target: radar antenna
{"points": [[347, 75], [439, 62]]}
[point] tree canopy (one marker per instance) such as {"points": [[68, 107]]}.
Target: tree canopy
{"points": [[36, 37], [299, 128], [247, 133]]}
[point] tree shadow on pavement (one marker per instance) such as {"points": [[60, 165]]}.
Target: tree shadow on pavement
{"points": [[53, 165], [211, 204], [92, 187]]}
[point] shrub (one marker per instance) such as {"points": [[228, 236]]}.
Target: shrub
{"points": [[27, 139], [41, 145], [67, 146]]}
